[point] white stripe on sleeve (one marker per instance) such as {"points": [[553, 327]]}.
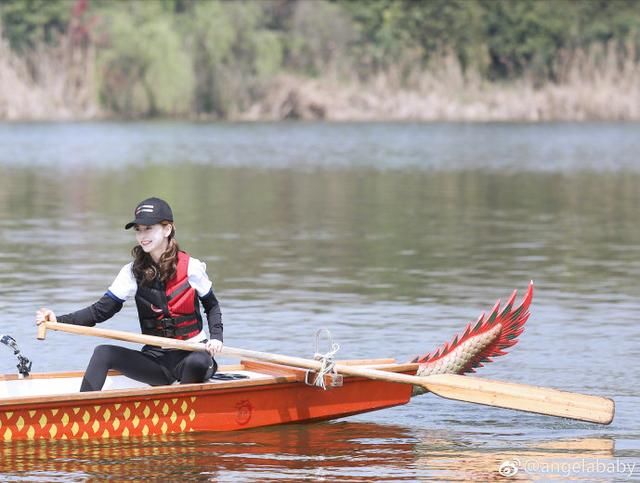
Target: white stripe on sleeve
{"points": [[124, 286], [198, 278]]}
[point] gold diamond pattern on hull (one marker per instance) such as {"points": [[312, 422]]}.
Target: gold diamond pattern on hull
{"points": [[148, 417]]}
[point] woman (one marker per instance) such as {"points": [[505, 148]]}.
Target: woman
{"points": [[167, 285]]}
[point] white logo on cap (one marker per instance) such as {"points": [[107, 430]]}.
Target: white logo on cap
{"points": [[145, 209]]}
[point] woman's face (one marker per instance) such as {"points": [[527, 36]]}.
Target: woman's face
{"points": [[153, 238]]}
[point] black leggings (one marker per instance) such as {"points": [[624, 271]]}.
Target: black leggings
{"points": [[153, 366]]}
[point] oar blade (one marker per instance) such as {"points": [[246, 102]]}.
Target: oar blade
{"points": [[521, 397]]}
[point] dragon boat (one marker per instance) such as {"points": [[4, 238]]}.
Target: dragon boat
{"points": [[253, 393]]}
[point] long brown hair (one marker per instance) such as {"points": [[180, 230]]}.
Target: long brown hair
{"points": [[145, 270]]}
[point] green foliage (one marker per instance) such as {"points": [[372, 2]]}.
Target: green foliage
{"points": [[375, 22], [268, 53], [232, 52], [146, 70], [391, 30], [213, 57], [209, 37], [605, 20], [319, 35], [26, 23], [525, 35]]}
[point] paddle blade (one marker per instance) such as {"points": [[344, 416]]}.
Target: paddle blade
{"points": [[521, 397]]}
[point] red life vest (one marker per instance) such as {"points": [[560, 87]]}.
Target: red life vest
{"points": [[171, 309]]}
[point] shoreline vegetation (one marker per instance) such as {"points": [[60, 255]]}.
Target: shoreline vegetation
{"points": [[270, 60]]}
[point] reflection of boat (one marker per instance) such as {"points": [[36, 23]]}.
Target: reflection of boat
{"points": [[332, 450], [48, 406], [335, 451]]}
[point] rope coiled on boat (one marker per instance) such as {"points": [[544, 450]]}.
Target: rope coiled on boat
{"points": [[328, 364]]}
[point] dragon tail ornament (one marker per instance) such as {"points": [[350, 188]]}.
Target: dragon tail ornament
{"points": [[481, 341]]}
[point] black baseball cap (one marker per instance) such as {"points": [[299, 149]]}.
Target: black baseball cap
{"points": [[150, 212]]}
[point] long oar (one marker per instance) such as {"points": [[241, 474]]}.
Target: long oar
{"points": [[472, 389]]}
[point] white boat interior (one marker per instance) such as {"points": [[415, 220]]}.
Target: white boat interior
{"points": [[55, 384], [59, 384]]}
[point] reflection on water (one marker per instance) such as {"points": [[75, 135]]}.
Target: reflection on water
{"points": [[392, 236], [560, 460], [320, 450], [328, 451]]}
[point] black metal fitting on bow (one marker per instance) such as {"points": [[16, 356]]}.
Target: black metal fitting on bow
{"points": [[24, 364]]}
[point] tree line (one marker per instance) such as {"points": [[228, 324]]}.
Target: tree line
{"points": [[213, 58]]}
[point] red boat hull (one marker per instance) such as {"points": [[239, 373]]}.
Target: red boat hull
{"points": [[228, 406]]}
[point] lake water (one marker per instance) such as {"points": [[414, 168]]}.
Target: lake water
{"points": [[392, 236]]}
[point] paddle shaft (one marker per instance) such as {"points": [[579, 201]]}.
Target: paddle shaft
{"points": [[522, 397]]}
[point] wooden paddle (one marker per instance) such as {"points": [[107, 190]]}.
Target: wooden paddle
{"points": [[521, 397]]}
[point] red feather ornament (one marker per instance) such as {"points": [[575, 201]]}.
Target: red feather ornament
{"points": [[480, 341]]}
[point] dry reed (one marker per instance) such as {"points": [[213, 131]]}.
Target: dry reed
{"points": [[49, 83], [603, 83], [599, 84]]}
